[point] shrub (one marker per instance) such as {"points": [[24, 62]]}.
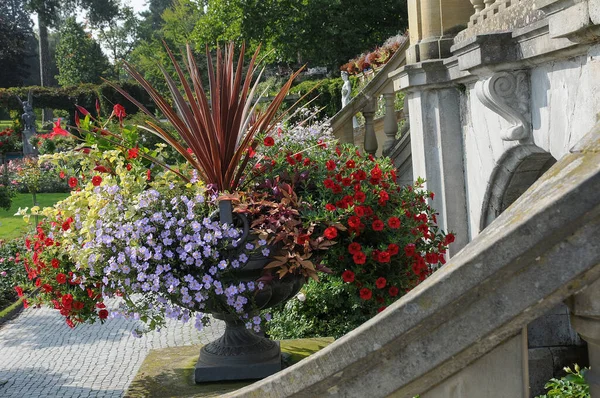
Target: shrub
{"points": [[573, 385], [328, 94], [12, 272], [328, 308]]}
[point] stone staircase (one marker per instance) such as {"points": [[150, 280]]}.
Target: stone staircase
{"points": [[463, 331]]}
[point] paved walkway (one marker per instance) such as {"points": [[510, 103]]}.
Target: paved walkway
{"points": [[41, 357]]}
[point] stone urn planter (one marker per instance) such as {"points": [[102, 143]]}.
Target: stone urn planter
{"points": [[241, 353]]}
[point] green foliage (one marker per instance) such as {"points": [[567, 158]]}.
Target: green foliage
{"points": [[330, 309], [15, 31], [328, 94], [78, 56], [66, 98], [303, 31], [573, 385], [12, 273]]}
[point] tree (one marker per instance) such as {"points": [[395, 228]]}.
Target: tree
{"points": [[48, 14], [320, 32], [15, 31], [119, 36], [78, 56]]}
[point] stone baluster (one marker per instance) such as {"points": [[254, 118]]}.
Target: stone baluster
{"points": [[585, 319], [478, 6], [488, 4], [370, 138], [390, 123]]}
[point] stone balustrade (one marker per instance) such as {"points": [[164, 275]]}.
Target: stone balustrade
{"points": [[366, 102]]}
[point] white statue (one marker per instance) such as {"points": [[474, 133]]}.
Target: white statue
{"points": [[346, 93]]}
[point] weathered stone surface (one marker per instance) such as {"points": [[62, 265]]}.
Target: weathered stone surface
{"points": [[510, 274]]}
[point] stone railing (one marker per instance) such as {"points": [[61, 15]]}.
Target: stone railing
{"points": [[461, 333], [366, 102]]}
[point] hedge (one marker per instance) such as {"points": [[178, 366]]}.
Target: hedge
{"points": [[85, 95]]}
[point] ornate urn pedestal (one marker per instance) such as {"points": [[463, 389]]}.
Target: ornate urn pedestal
{"points": [[241, 353]]}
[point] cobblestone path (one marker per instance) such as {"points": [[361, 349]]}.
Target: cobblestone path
{"points": [[41, 357]]}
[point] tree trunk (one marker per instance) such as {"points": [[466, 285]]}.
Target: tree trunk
{"points": [[45, 78]]}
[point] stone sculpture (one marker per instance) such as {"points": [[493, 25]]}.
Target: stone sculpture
{"points": [[28, 124], [346, 93]]}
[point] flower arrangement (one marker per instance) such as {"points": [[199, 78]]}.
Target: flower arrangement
{"points": [[375, 58], [141, 222]]}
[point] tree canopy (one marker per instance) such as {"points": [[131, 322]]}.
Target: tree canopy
{"points": [[15, 31], [78, 56]]}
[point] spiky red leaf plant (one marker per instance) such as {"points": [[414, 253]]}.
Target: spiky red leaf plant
{"points": [[218, 133]]}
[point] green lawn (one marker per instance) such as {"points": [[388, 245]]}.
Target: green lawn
{"points": [[13, 226]]}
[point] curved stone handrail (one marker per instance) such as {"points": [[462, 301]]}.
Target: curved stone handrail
{"points": [[542, 250], [366, 102]]}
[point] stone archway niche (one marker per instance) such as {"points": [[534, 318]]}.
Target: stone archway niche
{"points": [[515, 172], [552, 342]]}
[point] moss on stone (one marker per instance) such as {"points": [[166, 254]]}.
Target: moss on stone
{"points": [[169, 372]]}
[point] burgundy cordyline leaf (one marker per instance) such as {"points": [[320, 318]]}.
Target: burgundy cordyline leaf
{"points": [[220, 133]]}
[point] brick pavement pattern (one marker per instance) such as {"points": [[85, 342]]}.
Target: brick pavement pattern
{"points": [[41, 357]]}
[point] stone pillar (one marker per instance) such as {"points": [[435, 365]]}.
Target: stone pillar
{"points": [[585, 319], [432, 26], [390, 123], [370, 138], [437, 154]]}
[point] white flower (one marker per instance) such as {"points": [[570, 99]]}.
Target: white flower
{"points": [[301, 297]]}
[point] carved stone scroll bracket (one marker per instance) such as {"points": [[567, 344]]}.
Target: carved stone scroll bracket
{"points": [[507, 94]]}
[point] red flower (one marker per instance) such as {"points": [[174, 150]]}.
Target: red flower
{"points": [[432, 258], [377, 225], [78, 305], [365, 293], [359, 211], [329, 184], [393, 291], [133, 153], [96, 180], [290, 160], [46, 288], [306, 161], [348, 276], [73, 182], [354, 221], [148, 175], [321, 144], [380, 282], [360, 196], [346, 181], [70, 323], [330, 164], [57, 130], [330, 233], [25, 303], [119, 111], [381, 308], [350, 164], [337, 188], [376, 172], [393, 249], [103, 314], [359, 258], [128, 166], [431, 195], [329, 207], [269, 141], [298, 157], [61, 174], [394, 222], [409, 250], [61, 278], [354, 247], [384, 257], [19, 291], [67, 300], [360, 175], [55, 263], [449, 239]]}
